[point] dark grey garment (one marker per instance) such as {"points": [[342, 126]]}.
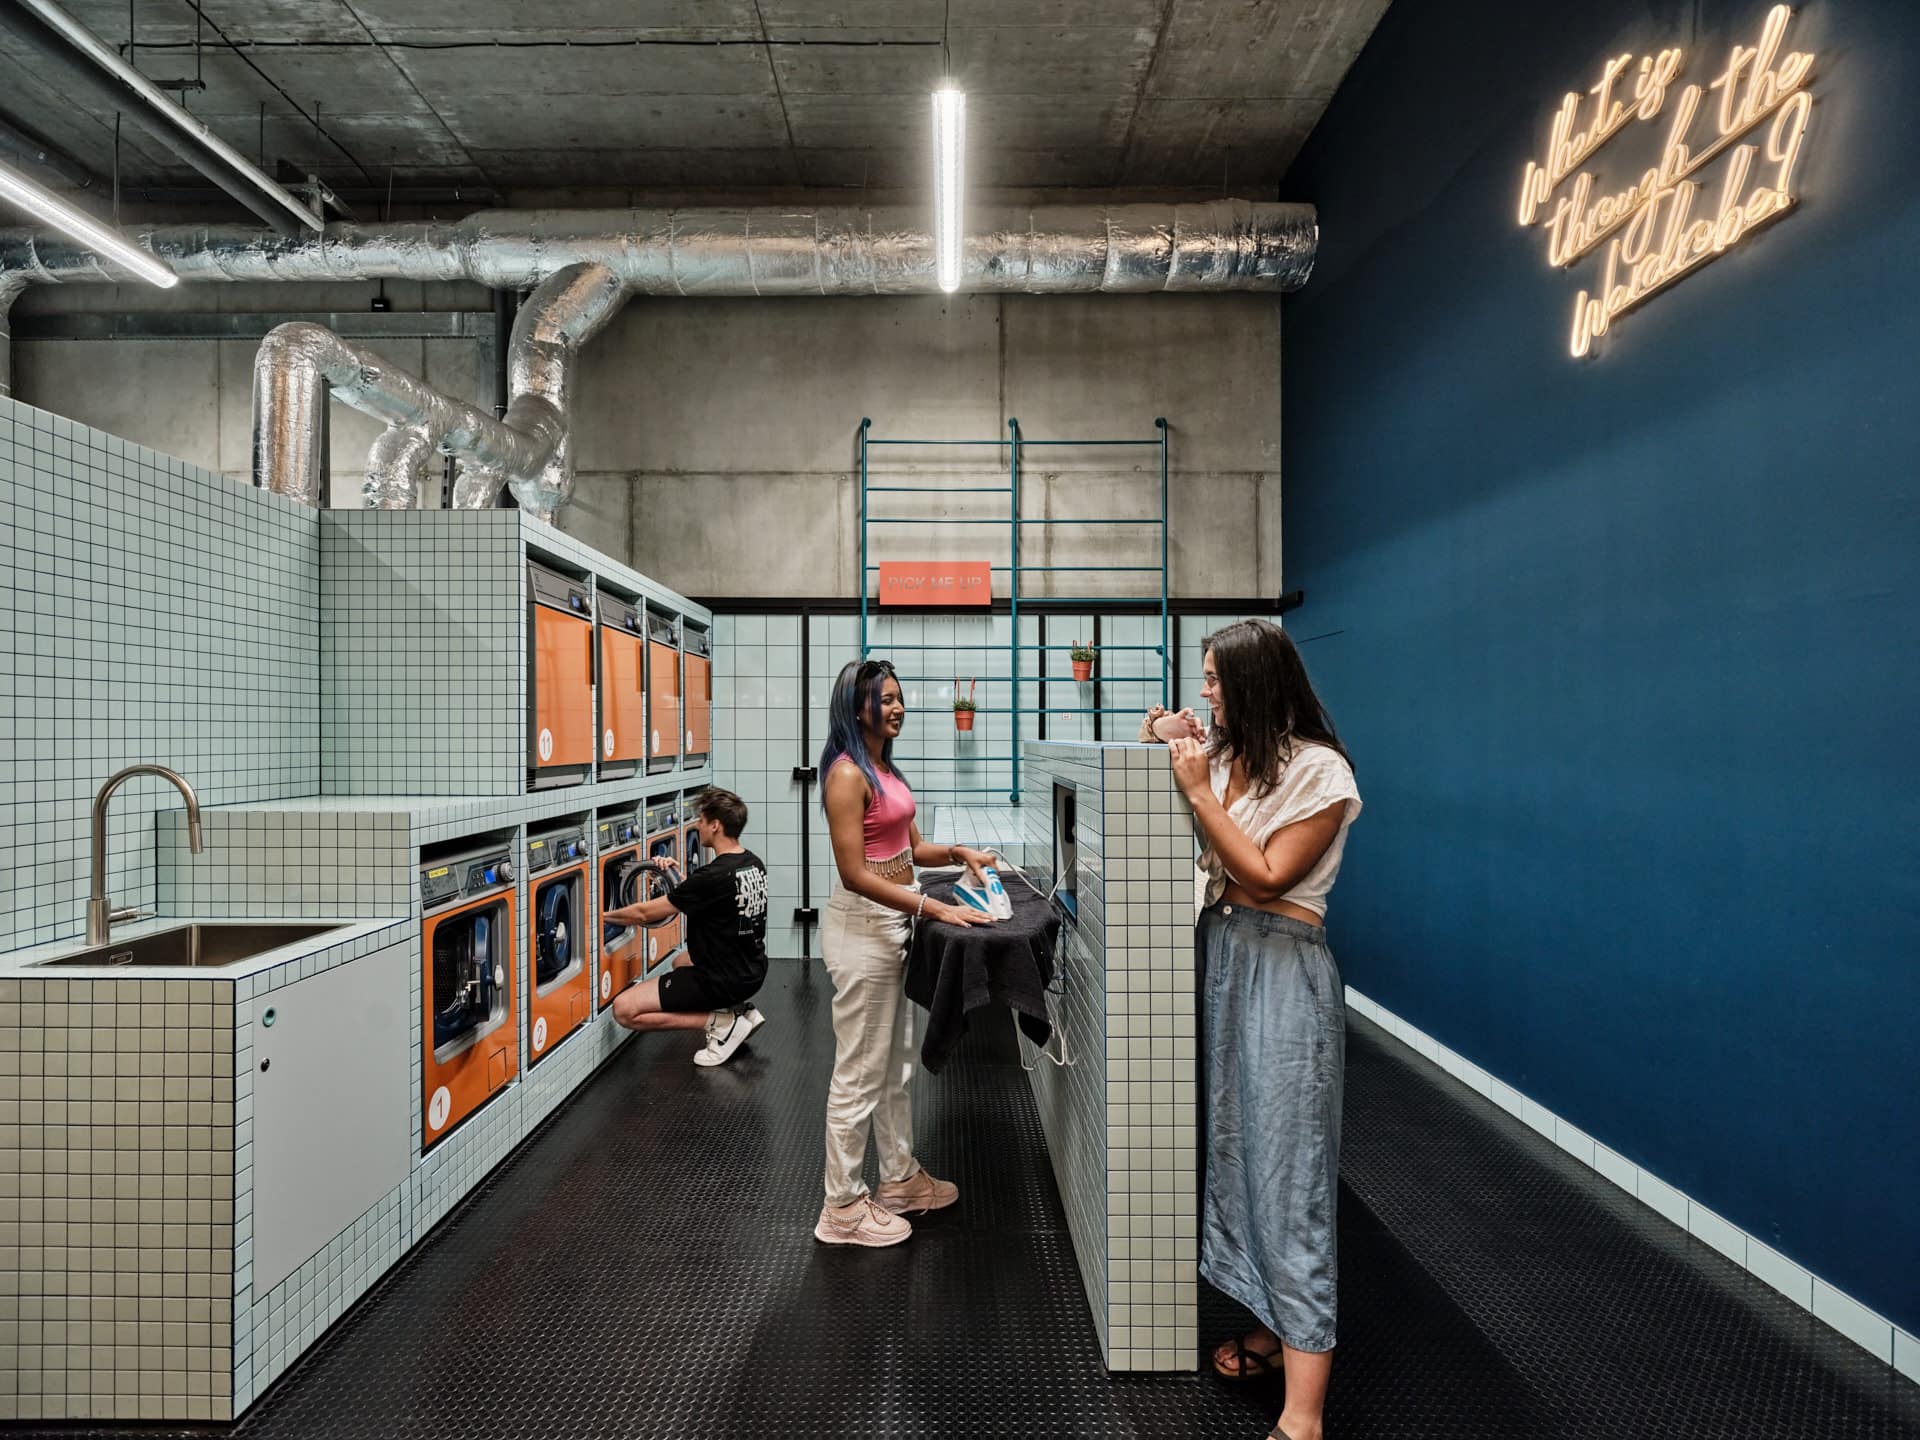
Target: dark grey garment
{"points": [[1274, 1028]]}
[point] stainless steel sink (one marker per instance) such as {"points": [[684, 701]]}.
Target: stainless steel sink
{"points": [[195, 946]]}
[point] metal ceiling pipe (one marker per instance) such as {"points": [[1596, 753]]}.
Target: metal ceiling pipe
{"points": [[1215, 245], [163, 108], [299, 363], [557, 319]]}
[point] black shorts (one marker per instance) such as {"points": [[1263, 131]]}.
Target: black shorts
{"points": [[688, 989]]}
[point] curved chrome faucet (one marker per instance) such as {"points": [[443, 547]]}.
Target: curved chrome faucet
{"points": [[100, 914]]}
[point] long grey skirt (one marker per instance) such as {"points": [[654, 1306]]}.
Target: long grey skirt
{"points": [[1274, 1028]]}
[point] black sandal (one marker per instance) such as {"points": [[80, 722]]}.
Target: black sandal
{"points": [[1263, 1362]]}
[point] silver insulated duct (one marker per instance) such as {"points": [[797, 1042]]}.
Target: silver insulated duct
{"points": [[584, 265]]}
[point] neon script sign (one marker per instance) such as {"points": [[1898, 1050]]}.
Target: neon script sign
{"points": [[1656, 230]]}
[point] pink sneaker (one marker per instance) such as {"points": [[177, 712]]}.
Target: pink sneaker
{"points": [[861, 1223], [917, 1194]]}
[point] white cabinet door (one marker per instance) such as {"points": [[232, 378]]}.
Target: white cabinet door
{"points": [[331, 1125]]}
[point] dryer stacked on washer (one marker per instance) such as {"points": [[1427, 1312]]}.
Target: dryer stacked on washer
{"points": [[561, 996]]}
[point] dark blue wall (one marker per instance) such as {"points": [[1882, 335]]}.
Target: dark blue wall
{"points": [[1627, 650]]}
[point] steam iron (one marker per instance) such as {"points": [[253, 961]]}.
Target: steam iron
{"points": [[990, 899]]}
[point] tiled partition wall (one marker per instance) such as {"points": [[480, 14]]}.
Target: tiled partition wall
{"points": [[1120, 1119], [961, 780], [155, 612]]}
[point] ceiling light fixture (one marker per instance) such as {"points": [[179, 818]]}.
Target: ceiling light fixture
{"points": [[41, 202], [949, 158]]}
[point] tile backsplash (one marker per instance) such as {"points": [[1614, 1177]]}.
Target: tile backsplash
{"points": [[158, 613]]}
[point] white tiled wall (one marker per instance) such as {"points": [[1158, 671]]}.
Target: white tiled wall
{"points": [[1120, 1121], [157, 613], [116, 1239], [422, 626], [160, 613]]}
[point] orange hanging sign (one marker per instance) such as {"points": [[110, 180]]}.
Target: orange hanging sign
{"points": [[936, 582]]}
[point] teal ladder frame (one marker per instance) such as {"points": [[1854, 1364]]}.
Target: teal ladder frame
{"points": [[1013, 445]]}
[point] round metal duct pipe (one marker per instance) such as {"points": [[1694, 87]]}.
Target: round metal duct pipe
{"points": [[1212, 245], [584, 265]]}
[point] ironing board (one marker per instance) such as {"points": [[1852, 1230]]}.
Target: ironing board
{"points": [[953, 970]]}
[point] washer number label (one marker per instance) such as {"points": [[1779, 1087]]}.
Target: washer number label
{"points": [[439, 1108], [546, 745]]}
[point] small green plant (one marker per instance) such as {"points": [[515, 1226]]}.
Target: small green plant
{"points": [[1082, 652], [963, 704]]}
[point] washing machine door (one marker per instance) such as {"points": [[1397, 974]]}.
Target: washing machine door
{"points": [[691, 846], [466, 974], [554, 931]]}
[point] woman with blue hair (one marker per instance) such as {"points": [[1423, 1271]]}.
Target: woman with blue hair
{"points": [[869, 919]]}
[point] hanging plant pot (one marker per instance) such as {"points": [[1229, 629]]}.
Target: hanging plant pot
{"points": [[1082, 657], [963, 719], [1083, 669]]}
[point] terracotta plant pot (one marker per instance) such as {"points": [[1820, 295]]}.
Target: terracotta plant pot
{"points": [[963, 719], [1083, 669]]}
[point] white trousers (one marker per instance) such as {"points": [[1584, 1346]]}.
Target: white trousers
{"points": [[865, 949]]}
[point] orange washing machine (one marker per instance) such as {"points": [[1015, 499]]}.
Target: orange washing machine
{"points": [[562, 993], [663, 843], [623, 687], [617, 863], [663, 691], [699, 666], [466, 949], [560, 734]]}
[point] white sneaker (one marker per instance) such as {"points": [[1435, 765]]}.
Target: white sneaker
{"points": [[726, 1033], [861, 1223], [754, 1019]]}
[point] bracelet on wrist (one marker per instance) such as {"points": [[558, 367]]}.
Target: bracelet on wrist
{"points": [[921, 909]]}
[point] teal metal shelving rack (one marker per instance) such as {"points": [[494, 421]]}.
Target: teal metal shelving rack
{"points": [[1010, 450]]}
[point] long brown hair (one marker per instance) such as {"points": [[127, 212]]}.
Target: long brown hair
{"points": [[1269, 701]]}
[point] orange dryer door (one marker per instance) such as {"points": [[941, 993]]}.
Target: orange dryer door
{"points": [[663, 691], [699, 705], [461, 1074], [562, 688], [662, 939], [560, 1003], [621, 950], [623, 697]]}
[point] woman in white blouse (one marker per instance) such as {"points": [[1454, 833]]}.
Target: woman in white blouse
{"points": [[1272, 795]]}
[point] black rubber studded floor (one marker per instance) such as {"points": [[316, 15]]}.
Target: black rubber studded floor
{"points": [[644, 1267]]}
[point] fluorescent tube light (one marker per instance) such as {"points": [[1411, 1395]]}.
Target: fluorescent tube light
{"points": [[38, 201], [949, 158]]}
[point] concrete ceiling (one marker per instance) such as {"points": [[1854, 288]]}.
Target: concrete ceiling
{"points": [[505, 95]]}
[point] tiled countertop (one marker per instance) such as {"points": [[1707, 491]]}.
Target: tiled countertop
{"points": [[28, 963]]}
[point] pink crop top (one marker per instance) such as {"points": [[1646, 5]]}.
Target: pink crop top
{"points": [[888, 819]]}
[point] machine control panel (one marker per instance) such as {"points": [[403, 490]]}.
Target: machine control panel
{"points": [[559, 848], [624, 830], [662, 628], [663, 816], [618, 614], [699, 642], [548, 588], [467, 875]]}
